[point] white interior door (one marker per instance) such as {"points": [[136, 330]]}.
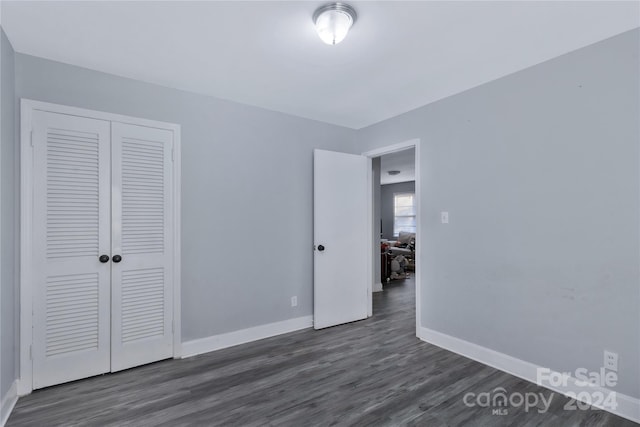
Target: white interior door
{"points": [[71, 225], [142, 289], [340, 238]]}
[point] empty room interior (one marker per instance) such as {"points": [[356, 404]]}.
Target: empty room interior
{"points": [[307, 213]]}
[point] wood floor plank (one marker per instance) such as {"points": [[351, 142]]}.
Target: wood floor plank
{"points": [[369, 373]]}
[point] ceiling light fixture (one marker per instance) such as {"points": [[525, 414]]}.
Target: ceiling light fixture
{"points": [[333, 21]]}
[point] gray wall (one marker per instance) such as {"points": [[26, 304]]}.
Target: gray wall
{"points": [[386, 209], [246, 192], [539, 171], [8, 192]]}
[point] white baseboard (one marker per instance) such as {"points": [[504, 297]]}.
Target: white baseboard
{"points": [[8, 402], [377, 287], [217, 342], [627, 407]]}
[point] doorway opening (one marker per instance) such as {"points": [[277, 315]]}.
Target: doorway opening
{"points": [[395, 221]]}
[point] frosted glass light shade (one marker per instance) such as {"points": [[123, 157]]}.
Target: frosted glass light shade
{"points": [[333, 22]]}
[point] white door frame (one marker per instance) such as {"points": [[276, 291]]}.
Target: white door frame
{"points": [[27, 107], [375, 240]]}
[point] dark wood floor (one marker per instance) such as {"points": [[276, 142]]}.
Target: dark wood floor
{"points": [[370, 373]]}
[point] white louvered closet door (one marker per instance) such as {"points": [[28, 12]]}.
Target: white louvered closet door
{"points": [[142, 291], [71, 229]]}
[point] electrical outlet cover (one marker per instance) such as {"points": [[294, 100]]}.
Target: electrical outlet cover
{"points": [[611, 360]]}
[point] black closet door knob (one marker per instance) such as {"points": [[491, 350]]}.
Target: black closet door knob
{"points": [[117, 258], [104, 258], [320, 248]]}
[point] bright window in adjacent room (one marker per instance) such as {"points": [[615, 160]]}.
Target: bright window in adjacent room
{"points": [[404, 213]]}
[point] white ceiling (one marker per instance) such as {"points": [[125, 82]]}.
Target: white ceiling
{"points": [[398, 56], [403, 161]]}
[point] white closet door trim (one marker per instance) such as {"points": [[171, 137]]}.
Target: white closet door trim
{"points": [[27, 106]]}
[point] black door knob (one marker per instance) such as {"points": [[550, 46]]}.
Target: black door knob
{"points": [[104, 258], [320, 248], [117, 258]]}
